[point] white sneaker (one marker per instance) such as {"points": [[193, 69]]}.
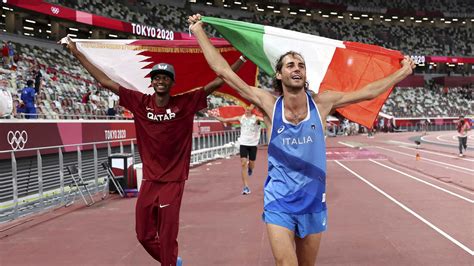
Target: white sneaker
{"points": [[461, 155], [246, 191]]}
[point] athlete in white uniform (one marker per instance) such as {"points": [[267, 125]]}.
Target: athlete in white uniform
{"points": [[248, 140]]}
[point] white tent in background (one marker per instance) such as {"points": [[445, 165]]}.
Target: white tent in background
{"points": [[384, 115], [331, 118]]}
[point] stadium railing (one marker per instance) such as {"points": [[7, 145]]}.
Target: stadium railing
{"points": [[38, 183]]}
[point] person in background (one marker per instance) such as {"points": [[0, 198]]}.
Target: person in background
{"points": [[248, 140], [381, 125], [112, 102], [11, 54], [28, 96], [463, 127], [6, 103], [95, 100], [5, 55], [38, 78], [86, 97]]}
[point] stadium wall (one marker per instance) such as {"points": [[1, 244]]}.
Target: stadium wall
{"points": [[24, 137]]}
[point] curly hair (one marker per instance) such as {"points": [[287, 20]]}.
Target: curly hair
{"points": [[276, 83]]}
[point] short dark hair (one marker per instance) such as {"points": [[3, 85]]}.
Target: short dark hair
{"points": [[276, 83], [30, 83]]}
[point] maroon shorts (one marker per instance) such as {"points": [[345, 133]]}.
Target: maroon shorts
{"points": [[157, 219]]}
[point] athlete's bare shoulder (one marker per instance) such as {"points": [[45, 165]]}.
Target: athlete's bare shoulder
{"points": [[325, 96]]}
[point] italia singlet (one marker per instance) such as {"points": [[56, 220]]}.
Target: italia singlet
{"points": [[296, 181]]}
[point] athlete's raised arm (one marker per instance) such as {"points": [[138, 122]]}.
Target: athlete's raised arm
{"points": [[260, 98], [100, 76]]}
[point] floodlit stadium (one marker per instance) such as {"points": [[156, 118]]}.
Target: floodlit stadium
{"points": [[121, 124]]}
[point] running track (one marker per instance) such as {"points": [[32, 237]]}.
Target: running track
{"points": [[385, 208]]}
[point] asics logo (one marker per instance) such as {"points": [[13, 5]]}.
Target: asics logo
{"points": [[55, 10], [162, 206], [17, 139], [281, 129]]}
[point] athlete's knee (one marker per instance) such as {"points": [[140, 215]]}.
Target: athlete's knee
{"points": [[285, 261], [243, 163]]}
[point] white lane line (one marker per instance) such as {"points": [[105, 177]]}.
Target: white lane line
{"points": [[424, 182], [403, 143], [426, 159], [446, 235], [437, 153], [448, 139], [347, 144], [355, 160], [443, 142], [451, 185]]}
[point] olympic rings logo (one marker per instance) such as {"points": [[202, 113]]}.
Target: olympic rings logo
{"points": [[55, 10], [17, 139]]}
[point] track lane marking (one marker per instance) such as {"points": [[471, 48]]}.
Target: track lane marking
{"points": [[419, 217], [424, 182], [437, 153], [348, 145], [426, 159], [453, 144]]}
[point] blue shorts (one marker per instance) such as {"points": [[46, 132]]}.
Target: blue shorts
{"points": [[301, 224]]}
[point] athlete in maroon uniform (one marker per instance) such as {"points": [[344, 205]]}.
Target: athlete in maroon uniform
{"points": [[164, 125]]}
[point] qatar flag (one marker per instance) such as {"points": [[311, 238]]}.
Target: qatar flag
{"points": [[128, 62]]}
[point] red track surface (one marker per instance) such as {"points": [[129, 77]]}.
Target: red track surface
{"points": [[396, 211]]}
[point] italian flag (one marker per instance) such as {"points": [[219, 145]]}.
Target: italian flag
{"points": [[330, 64]]}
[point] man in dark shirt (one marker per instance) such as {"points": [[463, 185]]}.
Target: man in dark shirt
{"points": [[38, 77], [164, 126]]}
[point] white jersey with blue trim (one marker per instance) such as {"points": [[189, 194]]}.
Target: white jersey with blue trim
{"points": [[296, 181]]}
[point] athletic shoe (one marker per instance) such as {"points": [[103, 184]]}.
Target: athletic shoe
{"points": [[249, 171], [246, 191], [461, 155], [179, 262]]}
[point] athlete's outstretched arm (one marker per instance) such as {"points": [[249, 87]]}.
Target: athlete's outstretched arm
{"points": [[260, 98], [371, 90], [224, 120], [218, 82], [100, 76]]}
